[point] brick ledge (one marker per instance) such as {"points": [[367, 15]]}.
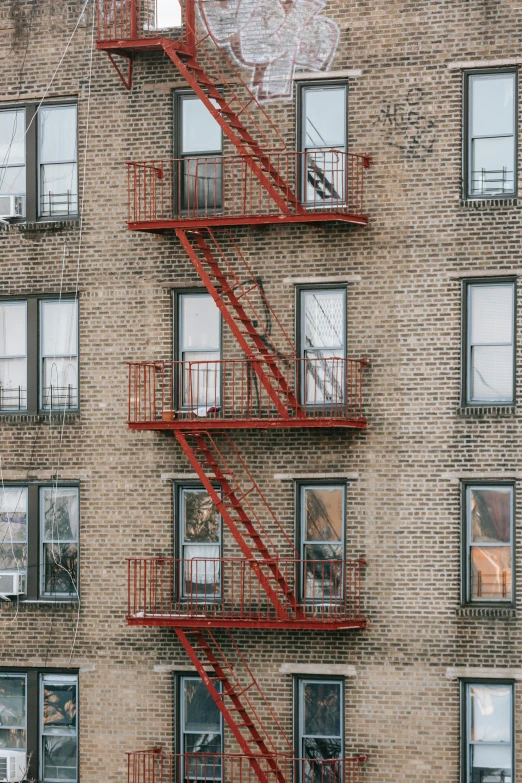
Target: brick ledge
{"points": [[492, 410], [486, 613], [488, 203]]}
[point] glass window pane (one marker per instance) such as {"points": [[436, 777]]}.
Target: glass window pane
{"points": [[490, 510], [492, 104], [324, 513], [13, 557], [323, 578], [59, 706], [320, 748], [322, 709], [492, 372], [201, 380], [169, 14], [491, 314], [490, 713], [325, 175], [12, 181], [13, 318], [491, 573], [493, 165], [13, 384], [324, 319], [59, 189], [60, 569], [200, 323], [57, 134], [60, 328], [12, 703], [325, 117], [202, 572], [60, 510], [324, 377], [14, 739], [60, 383], [13, 515], [202, 185], [202, 522], [59, 758], [200, 711], [491, 763], [12, 138], [200, 131], [202, 760]]}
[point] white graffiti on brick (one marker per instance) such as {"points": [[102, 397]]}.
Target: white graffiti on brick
{"points": [[273, 38]]}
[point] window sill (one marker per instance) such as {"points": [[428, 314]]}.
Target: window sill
{"points": [[48, 225], [10, 417], [487, 612], [505, 202], [47, 601], [485, 410]]}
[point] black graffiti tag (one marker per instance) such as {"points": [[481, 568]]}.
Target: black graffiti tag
{"points": [[406, 126]]}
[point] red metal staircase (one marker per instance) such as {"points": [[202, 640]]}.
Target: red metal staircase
{"points": [[234, 702]]}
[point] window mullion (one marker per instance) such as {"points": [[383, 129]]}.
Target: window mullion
{"points": [[32, 355], [31, 163], [33, 544], [33, 714]]}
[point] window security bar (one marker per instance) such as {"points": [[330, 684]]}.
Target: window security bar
{"points": [[489, 181], [13, 398], [59, 204], [60, 396], [492, 585]]}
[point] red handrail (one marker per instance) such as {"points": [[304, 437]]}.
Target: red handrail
{"points": [[219, 589]]}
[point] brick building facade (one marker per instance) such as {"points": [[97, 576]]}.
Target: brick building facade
{"points": [[426, 291]]}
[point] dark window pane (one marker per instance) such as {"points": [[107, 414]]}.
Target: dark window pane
{"points": [[324, 513], [202, 185], [202, 760], [201, 712], [13, 557], [61, 568], [322, 748], [12, 702], [323, 578], [59, 708], [14, 739], [202, 521], [59, 758], [322, 709], [491, 515]]}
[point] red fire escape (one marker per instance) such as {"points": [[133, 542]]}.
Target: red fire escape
{"points": [[201, 401]]}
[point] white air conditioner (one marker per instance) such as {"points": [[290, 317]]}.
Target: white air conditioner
{"points": [[13, 766], [11, 207], [12, 583]]}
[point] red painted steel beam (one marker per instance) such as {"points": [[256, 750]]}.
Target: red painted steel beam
{"points": [[287, 625], [247, 220], [192, 425]]}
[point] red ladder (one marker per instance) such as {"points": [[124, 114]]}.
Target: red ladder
{"points": [[225, 289]]}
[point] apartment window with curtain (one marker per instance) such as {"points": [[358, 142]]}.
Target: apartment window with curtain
{"points": [[320, 728], [39, 161], [39, 725], [199, 146], [323, 143], [200, 545], [322, 345], [488, 723], [322, 540], [198, 350], [200, 732], [38, 354], [39, 539], [491, 134], [489, 350], [489, 543]]}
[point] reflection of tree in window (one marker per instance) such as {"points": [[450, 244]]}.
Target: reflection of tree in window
{"points": [[202, 520]]}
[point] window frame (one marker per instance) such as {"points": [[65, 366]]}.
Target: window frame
{"points": [[179, 488], [299, 330], [465, 682], [39, 174], [467, 140], [299, 488], [34, 677], [32, 160], [177, 380], [298, 681], [34, 570], [34, 354], [466, 366], [177, 145], [465, 591], [180, 733], [41, 735], [302, 87]]}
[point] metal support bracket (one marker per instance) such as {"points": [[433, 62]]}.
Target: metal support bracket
{"points": [[127, 82]]}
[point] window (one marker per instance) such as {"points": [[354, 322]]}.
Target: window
{"points": [[200, 545], [199, 350], [39, 159], [201, 731], [39, 724], [38, 354], [320, 729], [168, 14], [490, 342], [39, 536], [491, 134], [489, 542], [323, 345], [488, 732], [199, 145], [323, 142], [322, 515]]}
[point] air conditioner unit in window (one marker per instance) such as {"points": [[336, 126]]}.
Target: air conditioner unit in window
{"points": [[12, 583], [13, 766], [11, 207]]}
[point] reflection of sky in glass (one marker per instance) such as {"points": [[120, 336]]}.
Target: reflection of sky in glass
{"points": [[169, 14]]}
